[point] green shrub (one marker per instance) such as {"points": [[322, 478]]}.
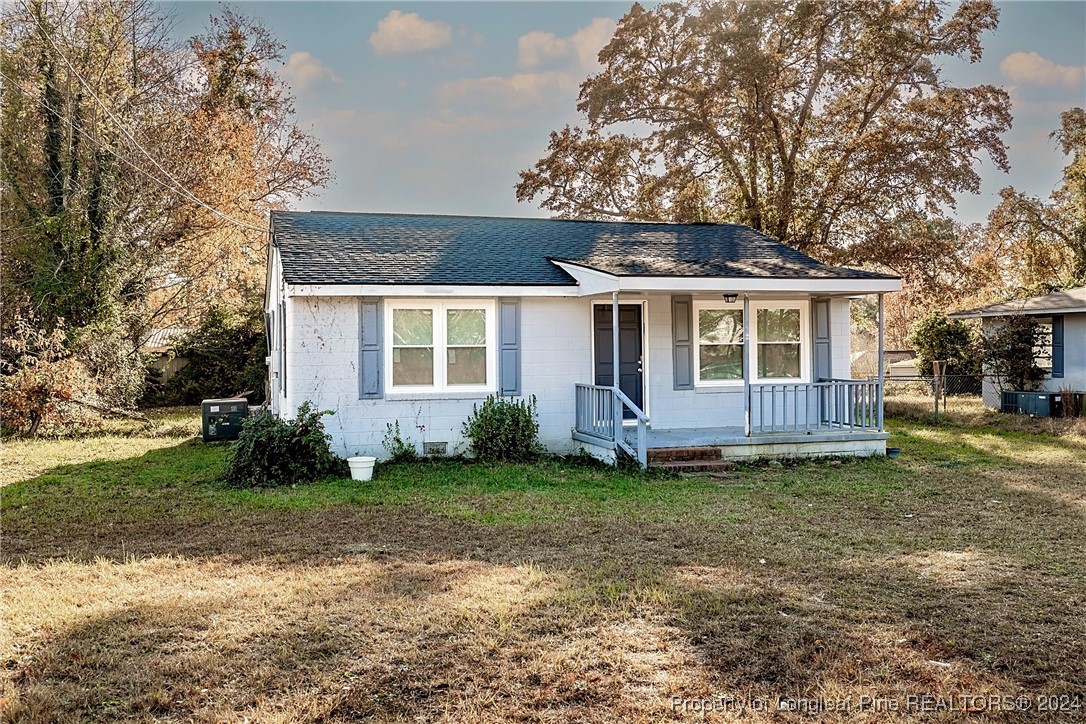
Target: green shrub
{"points": [[504, 429], [1010, 354], [399, 449], [937, 338], [225, 356], [271, 452]]}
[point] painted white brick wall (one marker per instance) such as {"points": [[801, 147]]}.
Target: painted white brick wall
{"points": [[323, 368], [841, 337], [556, 333]]}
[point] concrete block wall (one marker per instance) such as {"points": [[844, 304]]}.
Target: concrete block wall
{"points": [[841, 337], [323, 339], [671, 408], [556, 333]]}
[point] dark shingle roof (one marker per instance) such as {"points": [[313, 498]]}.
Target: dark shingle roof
{"points": [[341, 248], [1067, 301]]}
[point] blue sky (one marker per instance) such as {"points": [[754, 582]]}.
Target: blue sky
{"points": [[435, 107]]}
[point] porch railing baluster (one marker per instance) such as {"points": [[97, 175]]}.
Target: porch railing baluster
{"points": [[598, 417], [828, 404]]}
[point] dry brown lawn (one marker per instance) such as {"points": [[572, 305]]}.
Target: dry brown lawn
{"points": [[138, 588]]}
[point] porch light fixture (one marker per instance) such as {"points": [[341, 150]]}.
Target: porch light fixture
{"points": [[730, 298]]}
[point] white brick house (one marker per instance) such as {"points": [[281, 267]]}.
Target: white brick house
{"points": [[725, 338]]}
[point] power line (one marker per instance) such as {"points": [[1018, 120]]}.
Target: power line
{"points": [[98, 142], [177, 185]]}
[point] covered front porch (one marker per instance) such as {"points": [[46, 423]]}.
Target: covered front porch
{"points": [[756, 372], [834, 417]]}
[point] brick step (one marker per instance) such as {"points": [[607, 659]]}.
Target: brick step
{"points": [[695, 466], [683, 454]]}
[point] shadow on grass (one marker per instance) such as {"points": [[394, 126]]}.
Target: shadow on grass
{"points": [[522, 591]]}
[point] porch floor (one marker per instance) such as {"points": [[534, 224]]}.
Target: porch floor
{"points": [[722, 436]]}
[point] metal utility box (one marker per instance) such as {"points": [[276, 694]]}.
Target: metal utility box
{"points": [[222, 419], [1034, 404]]}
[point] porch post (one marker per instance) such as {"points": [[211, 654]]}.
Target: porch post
{"points": [[614, 367], [614, 339], [882, 360], [746, 364]]}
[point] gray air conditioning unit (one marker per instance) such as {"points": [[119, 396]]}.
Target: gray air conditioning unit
{"points": [[1034, 404], [222, 419]]}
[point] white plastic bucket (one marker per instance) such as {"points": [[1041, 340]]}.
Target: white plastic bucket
{"points": [[361, 467]]}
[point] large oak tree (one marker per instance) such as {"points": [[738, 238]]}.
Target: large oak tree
{"points": [[818, 123], [1041, 243]]}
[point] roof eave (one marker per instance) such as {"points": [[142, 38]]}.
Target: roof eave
{"points": [[594, 281], [988, 314]]}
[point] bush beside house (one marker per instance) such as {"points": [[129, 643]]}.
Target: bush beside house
{"points": [[272, 452], [503, 429]]}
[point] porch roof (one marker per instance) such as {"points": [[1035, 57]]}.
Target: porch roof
{"points": [[592, 280]]}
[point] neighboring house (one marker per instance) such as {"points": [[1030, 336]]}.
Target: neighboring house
{"points": [[1062, 353], [725, 338], [159, 346], [866, 363], [903, 368]]}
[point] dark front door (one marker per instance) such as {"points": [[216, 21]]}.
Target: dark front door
{"points": [[630, 355]]}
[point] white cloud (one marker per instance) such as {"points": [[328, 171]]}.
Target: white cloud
{"points": [[552, 69], [539, 47], [1036, 69], [304, 71], [515, 91], [400, 32]]}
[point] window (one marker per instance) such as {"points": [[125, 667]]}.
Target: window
{"points": [[439, 346], [466, 352], [719, 354], [780, 333], [778, 338], [1042, 348], [412, 347]]}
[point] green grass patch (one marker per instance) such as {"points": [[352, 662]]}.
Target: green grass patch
{"points": [[141, 586]]}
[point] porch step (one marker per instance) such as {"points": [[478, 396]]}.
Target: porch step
{"points": [[695, 466], [662, 455]]}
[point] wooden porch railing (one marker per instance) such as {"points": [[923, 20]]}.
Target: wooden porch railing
{"points": [[831, 404], [599, 420]]}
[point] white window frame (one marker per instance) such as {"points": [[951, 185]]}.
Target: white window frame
{"points": [[804, 308], [717, 305], [1041, 360], [439, 309]]}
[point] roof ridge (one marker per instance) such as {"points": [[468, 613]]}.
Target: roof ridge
{"points": [[485, 217]]}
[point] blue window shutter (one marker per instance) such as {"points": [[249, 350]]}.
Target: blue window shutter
{"points": [[370, 358], [682, 341], [1057, 346], [823, 351], [509, 347]]}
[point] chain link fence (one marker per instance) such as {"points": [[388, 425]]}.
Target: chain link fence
{"points": [[928, 395]]}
